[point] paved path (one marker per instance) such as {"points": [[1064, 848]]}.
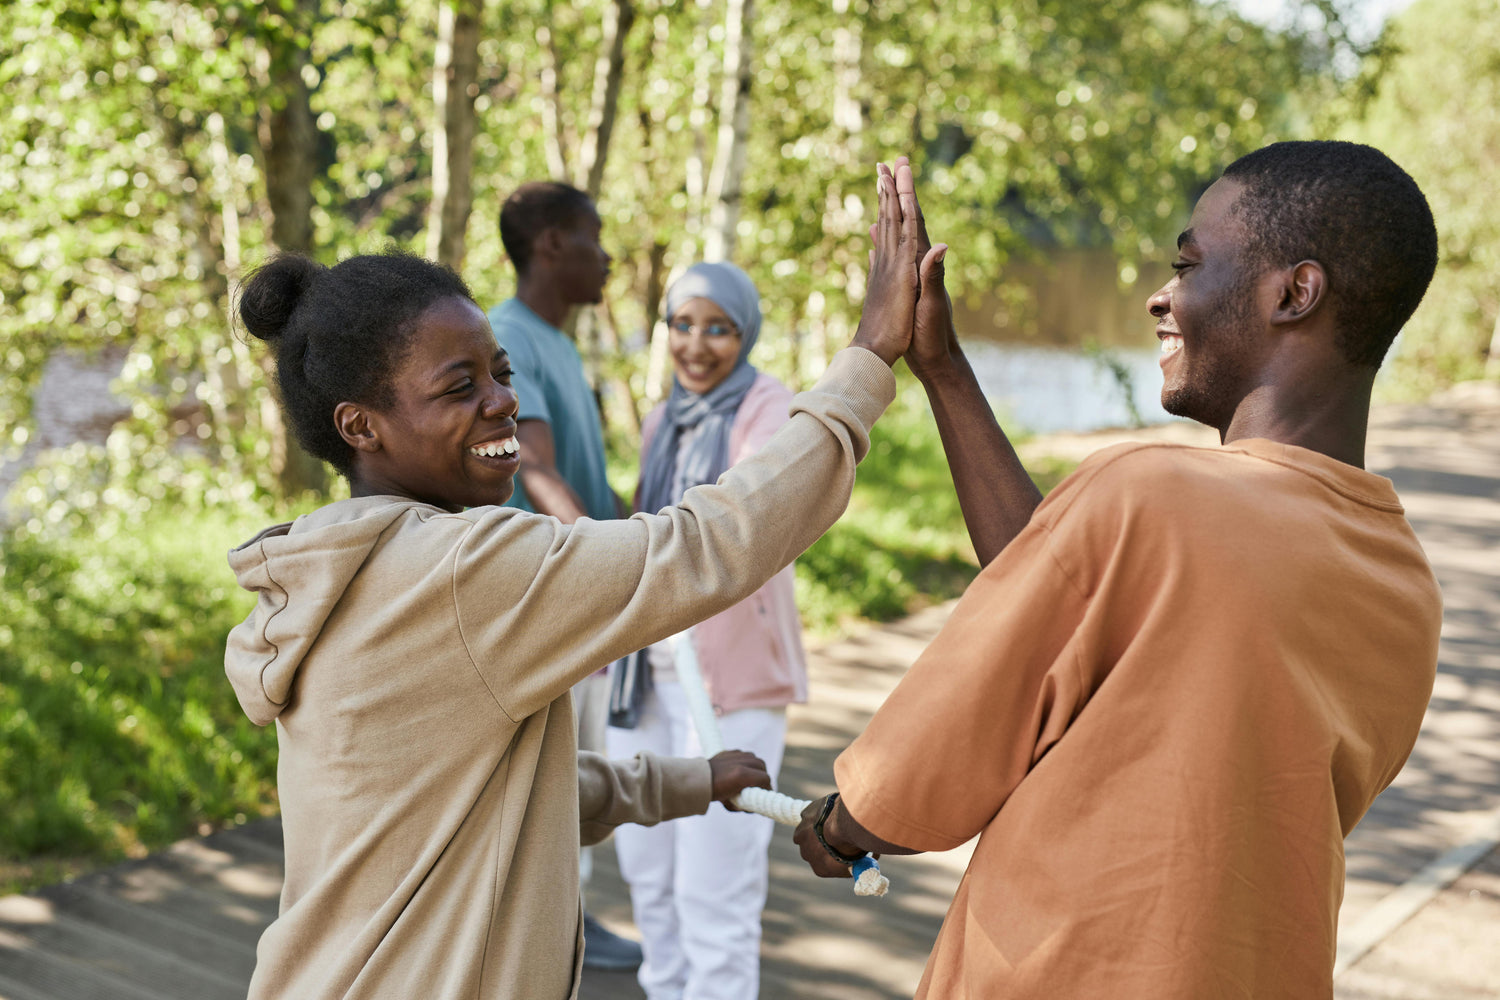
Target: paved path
{"points": [[183, 922]]}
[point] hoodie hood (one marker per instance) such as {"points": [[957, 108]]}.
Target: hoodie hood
{"points": [[298, 572]]}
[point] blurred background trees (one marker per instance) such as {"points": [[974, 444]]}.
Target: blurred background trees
{"points": [[152, 150], [1436, 111]]}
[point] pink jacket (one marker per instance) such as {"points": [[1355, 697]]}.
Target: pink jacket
{"points": [[752, 654]]}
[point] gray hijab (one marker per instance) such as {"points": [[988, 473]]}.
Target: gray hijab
{"points": [[708, 455]]}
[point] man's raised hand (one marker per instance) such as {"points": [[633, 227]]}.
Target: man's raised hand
{"points": [[934, 343], [885, 323]]}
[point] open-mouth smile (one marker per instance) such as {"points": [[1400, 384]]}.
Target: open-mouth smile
{"points": [[507, 447]]}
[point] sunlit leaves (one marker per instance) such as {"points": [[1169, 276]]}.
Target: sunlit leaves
{"points": [[1437, 113], [132, 195]]}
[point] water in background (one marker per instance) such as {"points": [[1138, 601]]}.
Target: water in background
{"points": [[1043, 347], [1047, 389]]}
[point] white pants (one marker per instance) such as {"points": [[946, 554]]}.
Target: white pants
{"points": [[698, 885], [591, 714]]}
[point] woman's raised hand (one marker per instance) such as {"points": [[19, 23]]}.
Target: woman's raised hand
{"points": [[885, 323]]}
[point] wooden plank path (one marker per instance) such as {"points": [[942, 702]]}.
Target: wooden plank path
{"points": [[183, 923]]}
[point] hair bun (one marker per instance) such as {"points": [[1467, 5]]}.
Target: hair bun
{"points": [[270, 295]]}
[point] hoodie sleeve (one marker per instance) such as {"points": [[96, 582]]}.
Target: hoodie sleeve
{"points": [[646, 789], [541, 604]]}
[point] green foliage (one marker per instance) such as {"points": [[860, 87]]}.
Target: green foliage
{"points": [[118, 731], [133, 187], [902, 543], [1437, 113]]}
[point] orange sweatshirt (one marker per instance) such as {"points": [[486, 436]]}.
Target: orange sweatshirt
{"points": [[1161, 708]]}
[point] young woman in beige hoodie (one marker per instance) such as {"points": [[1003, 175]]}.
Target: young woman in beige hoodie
{"points": [[415, 644]]}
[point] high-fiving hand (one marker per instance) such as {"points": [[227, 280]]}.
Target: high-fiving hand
{"points": [[904, 293], [885, 323]]}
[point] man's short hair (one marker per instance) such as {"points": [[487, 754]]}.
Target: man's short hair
{"points": [[534, 207], [1354, 211]]}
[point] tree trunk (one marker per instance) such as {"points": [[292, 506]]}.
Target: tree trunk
{"points": [[454, 87], [694, 169], [609, 343], [1492, 365], [656, 331], [289, 142], [552, 113], [608, 75], [734, 131]]}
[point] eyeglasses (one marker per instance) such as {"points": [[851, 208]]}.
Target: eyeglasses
{"points": [[712, 330]]}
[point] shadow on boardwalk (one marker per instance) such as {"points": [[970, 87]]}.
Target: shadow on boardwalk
{"points": [[183, 923]]}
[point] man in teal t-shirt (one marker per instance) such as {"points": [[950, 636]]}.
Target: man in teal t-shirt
{"points": [[551, 232], [559, 407]]}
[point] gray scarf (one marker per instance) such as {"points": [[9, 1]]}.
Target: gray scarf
{"points": [[707, 455]]}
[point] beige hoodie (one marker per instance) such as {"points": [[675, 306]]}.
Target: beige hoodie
{"points": [[417, 665]]}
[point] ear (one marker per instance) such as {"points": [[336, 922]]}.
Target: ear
{"points": [[1299, 292], [548, 244], [353, 423]]}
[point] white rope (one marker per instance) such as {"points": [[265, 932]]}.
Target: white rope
{"points": [[868, 881]]}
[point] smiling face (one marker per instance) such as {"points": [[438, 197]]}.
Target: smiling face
{"points": [[1211, 317], [449, 437], [705, 345]]}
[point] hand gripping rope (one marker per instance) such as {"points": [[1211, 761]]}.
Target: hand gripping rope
{"points": [[868, 881]]}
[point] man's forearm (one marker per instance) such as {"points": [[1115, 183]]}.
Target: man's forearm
{"points": [[550, 494], [995, 492], [846, 835]]}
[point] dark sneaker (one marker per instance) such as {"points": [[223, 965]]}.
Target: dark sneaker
{"points": [[605, 950]]}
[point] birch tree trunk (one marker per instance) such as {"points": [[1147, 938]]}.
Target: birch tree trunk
{"points": [[454, 87], [552, 113], [696, 169], [734, 130], [609, 72]]}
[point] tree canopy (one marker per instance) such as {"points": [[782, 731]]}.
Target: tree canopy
{"points": [[153, 150]]}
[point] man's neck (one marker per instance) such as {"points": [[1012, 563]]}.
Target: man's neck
{"points": [[540, 294], [1320, 415]]}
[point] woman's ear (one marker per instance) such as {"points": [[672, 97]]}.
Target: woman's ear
{"points": [[353, 423], [1301, 292]]}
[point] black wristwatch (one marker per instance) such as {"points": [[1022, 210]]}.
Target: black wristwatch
{"points": [[841, 858]]}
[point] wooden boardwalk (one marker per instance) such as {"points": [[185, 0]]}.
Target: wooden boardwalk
{"points": [[183, 923]]}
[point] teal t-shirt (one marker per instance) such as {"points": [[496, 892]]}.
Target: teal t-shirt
{"points": [[548, 378]]}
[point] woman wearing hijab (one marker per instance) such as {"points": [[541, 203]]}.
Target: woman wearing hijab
{"points": [[698, 886]]}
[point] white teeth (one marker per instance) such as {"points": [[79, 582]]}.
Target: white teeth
{"points": [[493, 449], [1171, 344]]}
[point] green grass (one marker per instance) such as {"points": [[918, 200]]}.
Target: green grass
{"points": [[902, 543], [119, 732]]}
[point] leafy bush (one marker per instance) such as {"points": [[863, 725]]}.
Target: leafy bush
{"points": [[118, 730]]}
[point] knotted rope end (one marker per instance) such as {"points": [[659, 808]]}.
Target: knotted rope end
{"points": [[868, 881]]}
